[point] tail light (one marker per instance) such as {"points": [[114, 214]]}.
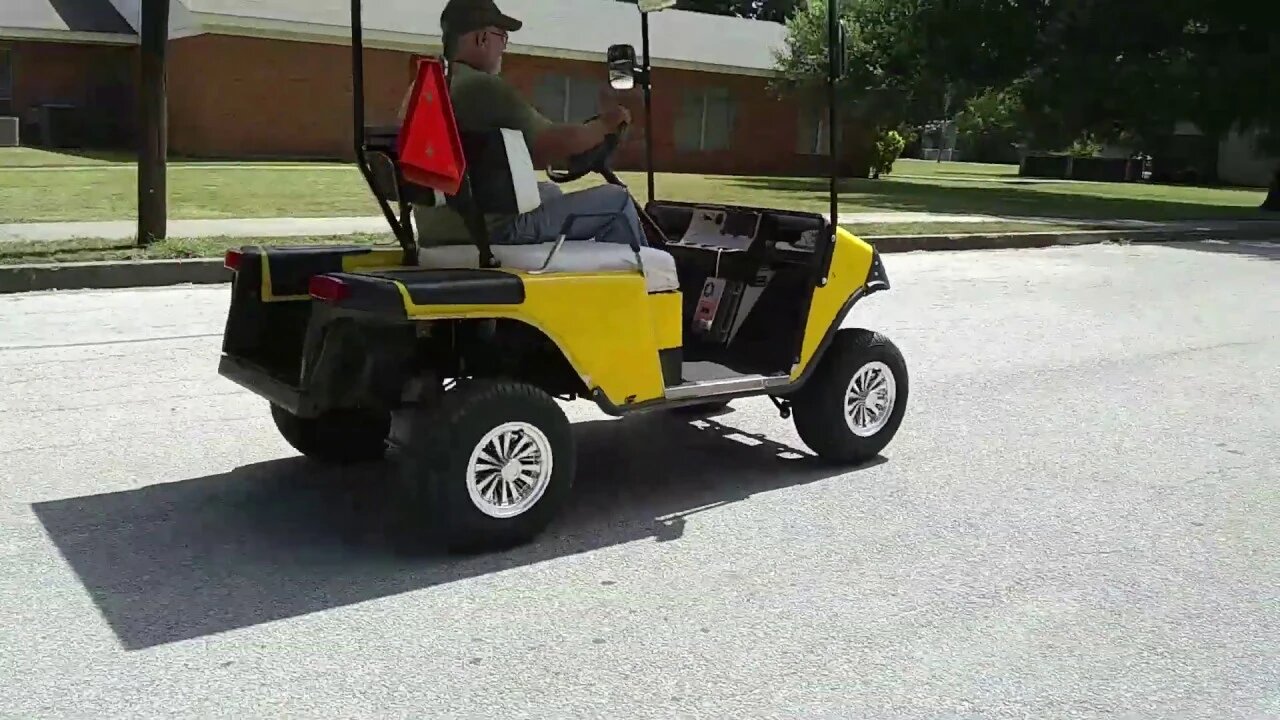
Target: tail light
{"points": [[232, 260], [328, 289]]}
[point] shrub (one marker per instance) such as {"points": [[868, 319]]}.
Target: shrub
{"points": [[888, 147], [1085, 146]]}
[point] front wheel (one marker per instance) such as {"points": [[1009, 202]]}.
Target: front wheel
{"points": [[488, 468], [853, 405], [339, 436]]}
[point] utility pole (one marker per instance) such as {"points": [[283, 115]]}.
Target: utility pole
{"points": [[153, 140]]}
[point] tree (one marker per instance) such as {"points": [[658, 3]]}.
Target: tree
{"points": [[1132, 69], [1108, 70], [773, 10], [991, 124], [881, 77], [915, 60], [1237, 49], [884, 81]]}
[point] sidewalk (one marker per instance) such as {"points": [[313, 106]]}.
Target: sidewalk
{"points": [[300, 227]]}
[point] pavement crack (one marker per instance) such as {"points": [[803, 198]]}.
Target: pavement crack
{"points": [[105, 343], [143, 401], [1110, 551]]}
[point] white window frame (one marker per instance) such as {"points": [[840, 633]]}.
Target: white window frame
{"points": [[817, 146], [705, 95], [568, 99], [816, 135], [568, 82], [6, 74], [702, 122]]}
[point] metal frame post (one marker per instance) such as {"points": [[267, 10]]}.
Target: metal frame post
{"points": [[647, 78], [153, 141]]}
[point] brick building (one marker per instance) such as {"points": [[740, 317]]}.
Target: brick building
{"points": [[271, 78], [67, 71]]}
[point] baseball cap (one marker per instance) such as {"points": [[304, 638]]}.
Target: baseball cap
{"points": [[464, 16]]}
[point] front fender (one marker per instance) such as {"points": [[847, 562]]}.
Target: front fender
{"points": [[856, 271]]}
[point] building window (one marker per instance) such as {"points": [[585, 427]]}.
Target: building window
{"points": [[566, 98], [705, 121], [6, 82], [815, 131]]}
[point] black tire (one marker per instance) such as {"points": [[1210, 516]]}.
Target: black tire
{"points": [[434, 477], [339, 437], [819, 407]]}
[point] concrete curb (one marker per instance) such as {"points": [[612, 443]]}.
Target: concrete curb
{"points": [[1025, 240], [111, 274], [158, 273], [979, 241]]}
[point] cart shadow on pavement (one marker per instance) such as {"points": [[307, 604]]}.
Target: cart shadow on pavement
{"points": [[286, 538]]}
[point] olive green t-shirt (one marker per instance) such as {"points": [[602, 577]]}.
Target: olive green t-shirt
{"points": [[481, 102]]}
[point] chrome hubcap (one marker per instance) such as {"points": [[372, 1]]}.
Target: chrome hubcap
{"points": [[869, 399], [509, 470]]}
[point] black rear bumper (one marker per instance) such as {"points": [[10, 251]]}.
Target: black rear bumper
{"points": [[260, 382]]}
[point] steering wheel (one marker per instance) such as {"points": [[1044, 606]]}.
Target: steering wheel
{"points": [[595, 159]]}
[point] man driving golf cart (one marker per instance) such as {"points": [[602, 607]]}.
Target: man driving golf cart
{"points": [[475, 34]]}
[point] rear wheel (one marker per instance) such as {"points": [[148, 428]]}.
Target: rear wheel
{"points": [[338, 436], [486, 469], [853, 405]]}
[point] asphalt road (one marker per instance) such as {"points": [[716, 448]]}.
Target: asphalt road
{"points": [[1079, 519]]}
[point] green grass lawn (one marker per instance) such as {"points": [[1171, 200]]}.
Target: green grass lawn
{"points": [[38, 158], [874, 230], [231, 191], [33, 189], [87, 250], [23, 252], [24, 157], [933, 168]]}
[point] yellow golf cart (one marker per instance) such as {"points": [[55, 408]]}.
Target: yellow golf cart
{"points": [[454, 355]]}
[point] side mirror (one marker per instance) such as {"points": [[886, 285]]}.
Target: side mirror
{"points": [[622, 67]]}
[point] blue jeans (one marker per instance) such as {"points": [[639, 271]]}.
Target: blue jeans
{"points": [[613, 218]]}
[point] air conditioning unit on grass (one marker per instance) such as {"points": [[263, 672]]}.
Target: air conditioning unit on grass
{"points": [[9, 132]]}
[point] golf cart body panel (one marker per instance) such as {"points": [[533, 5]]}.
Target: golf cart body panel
{"points": [[627, 321], [621, 369], [619, 360], [285, 272], [848, 280], [609, 329]]}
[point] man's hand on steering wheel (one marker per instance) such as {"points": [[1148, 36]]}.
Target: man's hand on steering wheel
{"points": [[615, 119], [615, 116], [612, 112]]}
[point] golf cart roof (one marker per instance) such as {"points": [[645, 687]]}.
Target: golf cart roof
{"points": [[681, 39]]}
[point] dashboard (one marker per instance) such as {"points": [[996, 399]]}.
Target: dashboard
{"points": [[721, 229], [765, 234]]}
